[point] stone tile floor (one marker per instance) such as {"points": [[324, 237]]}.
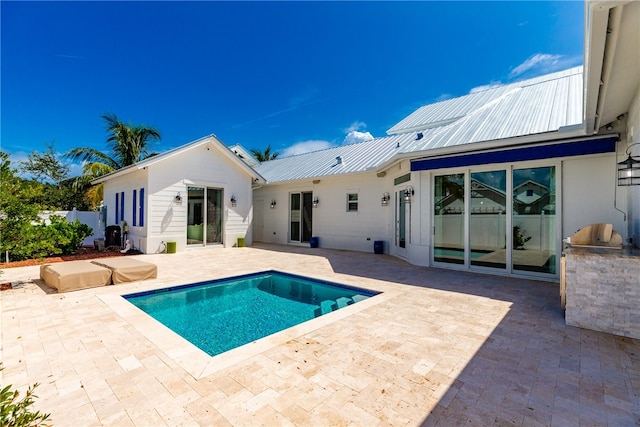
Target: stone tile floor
{"points": [[438, 347]]}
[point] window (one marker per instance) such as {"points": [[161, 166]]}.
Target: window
{"points": [[141, 207], [135, 205], [529, 193], [122, 206], [352, 202], [117, 207]]}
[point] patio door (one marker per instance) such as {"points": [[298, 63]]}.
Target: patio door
{"points": [[534, 220], [204, 215], [501, 219], [403, 215], [488, 219], [449, 219], [300, 217]]}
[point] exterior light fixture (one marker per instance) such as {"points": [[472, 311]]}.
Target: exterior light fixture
{"points": [[233, 200], [273, 204], [629, 169], [316, 201], [178, 198], [385, 199], [408, 193]]}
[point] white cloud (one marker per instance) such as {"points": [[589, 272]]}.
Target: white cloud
{"points": [[306, 147], [354, 136], [541, 62], [485, 87], [443, 97], [356, 126]]}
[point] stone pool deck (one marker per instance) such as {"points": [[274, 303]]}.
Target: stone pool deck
{"points": [[438, 347]]}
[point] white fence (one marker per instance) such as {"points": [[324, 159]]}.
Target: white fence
{"points": [[90, 218]]}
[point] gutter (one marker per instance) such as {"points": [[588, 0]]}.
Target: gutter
{"points": [[613, 31]]}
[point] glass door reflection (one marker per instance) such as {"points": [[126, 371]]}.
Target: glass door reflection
{"points": [[487, 219], [448, 208]]}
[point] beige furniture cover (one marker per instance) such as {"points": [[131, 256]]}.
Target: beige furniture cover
{"points": [[126, 269], [597, 235], [74, 275]]}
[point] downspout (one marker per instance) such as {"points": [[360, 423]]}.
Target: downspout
{"points": [[613, 31]]}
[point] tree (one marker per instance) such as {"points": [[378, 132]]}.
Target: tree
{"points": [[266, 155], [127, 144], [46, 167]]}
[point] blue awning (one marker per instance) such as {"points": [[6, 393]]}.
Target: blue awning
{"points": [[549, 151]]}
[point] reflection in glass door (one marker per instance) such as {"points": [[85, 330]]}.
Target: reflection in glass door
{"points": [[201, 222], [214, 215], [401, 221], [448, 203], [487, 219], [534, 220], [300, 217], [195, 215]]}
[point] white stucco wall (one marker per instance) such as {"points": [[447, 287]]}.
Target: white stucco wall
{"points": [[589, 191]]}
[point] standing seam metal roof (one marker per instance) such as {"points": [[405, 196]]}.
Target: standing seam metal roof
{"points": [[536, 106]]}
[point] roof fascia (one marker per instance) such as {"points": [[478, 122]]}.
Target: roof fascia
{"points": [[211, 139]]}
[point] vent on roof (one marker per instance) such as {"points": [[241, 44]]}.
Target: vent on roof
{"points": [[339, 159], [419, 136]]}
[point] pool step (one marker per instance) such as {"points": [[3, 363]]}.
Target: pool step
{"points": [[358, 298], [327, 306]]}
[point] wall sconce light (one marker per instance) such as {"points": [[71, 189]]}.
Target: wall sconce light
{"points": [[408, 193], [273, 204], [385, 199], [629, 169], [233, 200], [178, 198], [316, 201]]}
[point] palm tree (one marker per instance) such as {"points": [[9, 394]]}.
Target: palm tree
{"points": [[128, 144], [266, 155]]}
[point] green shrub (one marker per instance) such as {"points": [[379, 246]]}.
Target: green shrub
{"points": [[18, 412], [39, 240]]}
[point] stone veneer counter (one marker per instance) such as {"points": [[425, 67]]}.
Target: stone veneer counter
{"points": [[603, 290]]}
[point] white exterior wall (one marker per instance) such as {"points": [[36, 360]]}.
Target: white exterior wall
{"points": [[202, 166], [633, 137], [165, 219], [589, 191], [332, 224], [357, 231], [127, 183]]}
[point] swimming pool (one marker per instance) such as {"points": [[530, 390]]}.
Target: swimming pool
{"points": [[219, 315]]}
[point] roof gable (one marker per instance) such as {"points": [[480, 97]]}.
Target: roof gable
{"points": [[211, 139]]}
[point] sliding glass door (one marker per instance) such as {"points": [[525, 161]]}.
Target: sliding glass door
{"points": [[204, 218], [449, 224], [487, 219], [534, 220], [502, 219], [300, 217]]}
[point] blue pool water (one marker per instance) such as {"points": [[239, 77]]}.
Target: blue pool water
{"points": [[220, 315]]}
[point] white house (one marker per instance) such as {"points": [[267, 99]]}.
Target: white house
{"points": [[491, 181], [196, 195]]}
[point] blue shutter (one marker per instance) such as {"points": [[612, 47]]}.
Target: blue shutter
{"points": [[122, 206], [142, 207], [135, 205], [117, 207]]}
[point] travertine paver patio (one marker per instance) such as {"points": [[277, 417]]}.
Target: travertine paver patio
{"points": [[438, 347]]}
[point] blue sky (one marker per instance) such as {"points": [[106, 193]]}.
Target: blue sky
{"points": [[293, 75]]}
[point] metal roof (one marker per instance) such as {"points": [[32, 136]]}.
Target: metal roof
{"points": [[537, 106]]}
